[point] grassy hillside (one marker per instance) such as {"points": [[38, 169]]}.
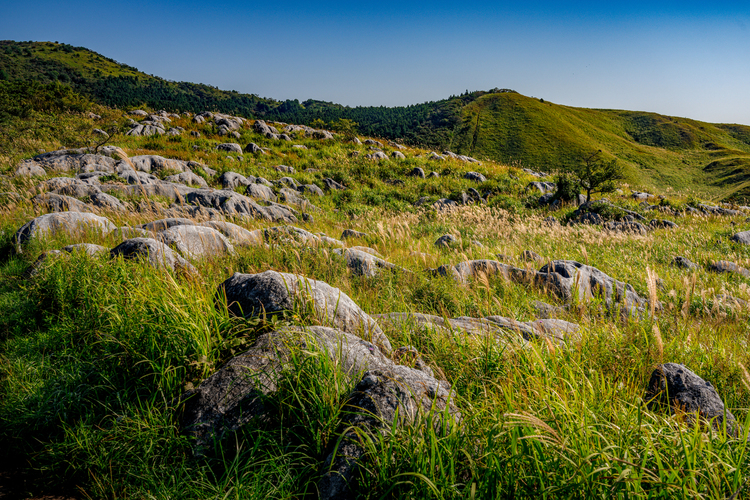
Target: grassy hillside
{"points": [[660, 152]]}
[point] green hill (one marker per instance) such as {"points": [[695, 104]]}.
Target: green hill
{"points": [[661, 152]]}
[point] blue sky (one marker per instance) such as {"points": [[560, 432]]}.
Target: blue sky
{"points": [[684, 58]]}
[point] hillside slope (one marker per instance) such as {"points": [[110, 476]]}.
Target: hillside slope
{"points": [[659, 151]]}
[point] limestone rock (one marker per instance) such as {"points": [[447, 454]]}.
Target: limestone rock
{"points": [[677, 388], [196, 242], [273, 292], [72, 223], [158, 255]]}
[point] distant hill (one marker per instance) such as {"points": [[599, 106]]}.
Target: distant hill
{"points": [[659, 151]]}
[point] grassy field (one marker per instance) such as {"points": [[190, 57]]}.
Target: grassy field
{"points": [[659, 152], [94, 352]]}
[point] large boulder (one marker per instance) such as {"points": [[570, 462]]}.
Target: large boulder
{"points": [[70, 223], [236, 234], [259, 192], [51, 202], [232, 203], [160, 225], [365, 264], [231, 180], [157, 254], [677, 388], [105, 201], [155, 163], [742, 238], [237, 393], [725, 266], [230, 147], [67, 160], [571, 280], [196, 242], [273, 292], [188, 178]]}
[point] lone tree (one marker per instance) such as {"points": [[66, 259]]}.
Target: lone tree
{"points": [[593, 174]]}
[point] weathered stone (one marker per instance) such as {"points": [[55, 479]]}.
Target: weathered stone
{"points": [[351, 233], [106, 202], [158, 226], [446, 240], [273, 292], [475, 176], [188, 178], [196, 242], [364, 263], [664, 224], [417, 172], [677, 388], [232, 203], [333, 185], [157, 254], [626, 227], [231, 147], [72, 223], [87, 248], [398, 155], [155, 163], [260, 192], [683, 262], [51, 202], [311, 189], [742, 238], [724, 266], [231, 180], [237, 235]]}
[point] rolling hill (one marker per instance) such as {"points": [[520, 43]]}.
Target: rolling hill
{"points": [[662, 152]]}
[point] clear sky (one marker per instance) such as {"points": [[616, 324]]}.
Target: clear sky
{"points": [[683, 58]]}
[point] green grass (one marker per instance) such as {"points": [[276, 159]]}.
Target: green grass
{"points": [[94, 352]]}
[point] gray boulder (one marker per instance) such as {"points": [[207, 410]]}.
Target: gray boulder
{"points": [[475, 176], [725, 266], [238, 235], [364, 263], [51, 202], [664, 224], [105, 201], [273, 292], [232, 203], [351, 233], [569, 279], [158, 226], [260, 192], [446, 240], [87, 248], [196, 242], [683, 263], [188, 178], [71, 223], [231, 147], [311, 189], [417, 172], [742, 238], [155, 163], [626, 227], [157, 254], [675, 387], [332, 185], [231, 180]]}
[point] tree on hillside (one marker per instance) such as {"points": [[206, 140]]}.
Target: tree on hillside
{"points": [[594, 174]]}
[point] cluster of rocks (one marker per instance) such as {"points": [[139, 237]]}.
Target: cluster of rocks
{"points": [[103, 178]]}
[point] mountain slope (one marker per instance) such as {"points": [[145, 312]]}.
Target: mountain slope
{"points": [[713, 160]]}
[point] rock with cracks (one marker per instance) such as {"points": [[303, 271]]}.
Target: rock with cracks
{"points": [[272, 292], [677, 388]]}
